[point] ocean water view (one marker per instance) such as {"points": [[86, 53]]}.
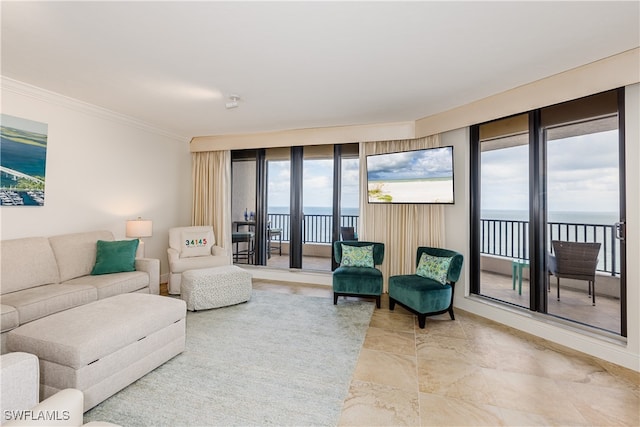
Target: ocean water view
{"points": [[604, 218], [313, 210]]}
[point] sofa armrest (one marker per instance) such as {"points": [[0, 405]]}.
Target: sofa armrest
{"points": [[20, 382], [65, 408], [152, 267], [173, 254], [218, 251]]}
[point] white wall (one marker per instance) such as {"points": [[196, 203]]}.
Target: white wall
{"points": [[243, 189], [102, 169], [458, 237]]}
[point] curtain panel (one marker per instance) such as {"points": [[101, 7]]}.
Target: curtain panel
{"points": [[401, 227], [211, 183]]}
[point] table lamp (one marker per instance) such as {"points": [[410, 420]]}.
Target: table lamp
{"points": [[139, 228]]}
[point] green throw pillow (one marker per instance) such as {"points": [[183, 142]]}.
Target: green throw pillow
{"points": [[115, 257], [357, 256], [433, 267]]}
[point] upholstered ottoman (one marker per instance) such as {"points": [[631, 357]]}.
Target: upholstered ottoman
{"points": [[215, 287], [101, 347]]}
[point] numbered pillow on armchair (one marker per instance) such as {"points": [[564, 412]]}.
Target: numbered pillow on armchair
{"points": [[196, 243]]}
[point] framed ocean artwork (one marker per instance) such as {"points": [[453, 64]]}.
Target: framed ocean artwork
{"points": [[23, 161]]}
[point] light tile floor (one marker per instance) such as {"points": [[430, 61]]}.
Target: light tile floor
{"points": [[574, 305], [474, 372]]}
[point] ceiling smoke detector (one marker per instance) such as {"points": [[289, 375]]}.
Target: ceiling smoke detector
{"points": [[233, 102]]}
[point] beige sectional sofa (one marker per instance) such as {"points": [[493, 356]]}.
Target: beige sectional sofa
{"points": [[45, 275]]}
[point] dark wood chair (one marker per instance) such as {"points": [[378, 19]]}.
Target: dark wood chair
{"points": [[272, 234], [347, 233], [574, 260], [248, 253]]}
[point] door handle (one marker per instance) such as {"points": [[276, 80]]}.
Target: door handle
{"points": [[620, 230]]}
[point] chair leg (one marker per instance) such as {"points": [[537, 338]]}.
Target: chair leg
{"points": [[451, 313], [558, 286], [335, 298], [378, 301], [422, 318], [593, 292], [392, 303]]}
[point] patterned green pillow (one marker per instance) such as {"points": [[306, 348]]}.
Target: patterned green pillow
{"points": [[433, 267], [357, 256]]}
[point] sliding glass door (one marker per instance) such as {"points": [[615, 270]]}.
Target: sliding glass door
{"points": [[278, 209], [504, 223], [303, 197], [317, 202], [547, 188], [583, 204]]}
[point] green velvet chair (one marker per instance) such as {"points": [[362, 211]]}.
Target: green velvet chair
{"points": [[357, 281], [426, 296]]}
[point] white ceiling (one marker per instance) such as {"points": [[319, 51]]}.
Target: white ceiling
{"points": [[300, 64]]}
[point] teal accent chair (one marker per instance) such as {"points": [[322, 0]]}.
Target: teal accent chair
{"points": [[358, 281], [424, 296]]}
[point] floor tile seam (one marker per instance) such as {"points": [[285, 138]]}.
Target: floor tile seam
{"points": [[408, 358], [413, 357], [600, 387], [415, 348], [474, 403], [490, 387], [395, 331]]}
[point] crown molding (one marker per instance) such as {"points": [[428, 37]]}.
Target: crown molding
{"points": [[20, 88]]}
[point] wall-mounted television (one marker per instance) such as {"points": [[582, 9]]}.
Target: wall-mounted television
{"points": [[417, 176]]}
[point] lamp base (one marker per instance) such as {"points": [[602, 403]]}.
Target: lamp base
{"points": [[140, 250]]}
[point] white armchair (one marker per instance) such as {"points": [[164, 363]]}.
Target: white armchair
{"points": [[20, 388], [192, 248]]}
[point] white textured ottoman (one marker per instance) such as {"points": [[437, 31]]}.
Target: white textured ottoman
{"points": [[102, 347], [215, 287]]}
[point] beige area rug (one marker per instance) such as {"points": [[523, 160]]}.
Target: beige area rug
{"points": [[278, 359]]}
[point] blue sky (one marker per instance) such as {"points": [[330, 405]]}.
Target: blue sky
{"points": [[318, 183], [421, 164], [582, 175]]}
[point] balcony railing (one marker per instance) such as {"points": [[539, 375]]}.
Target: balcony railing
{"points": [[499, 237], [315, 228], [508, 238]]}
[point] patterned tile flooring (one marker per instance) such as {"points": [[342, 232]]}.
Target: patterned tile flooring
{"points": [[474, 372]]}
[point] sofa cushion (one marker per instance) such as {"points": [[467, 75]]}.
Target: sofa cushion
{"points": [[108, 285], [19, 264], [181, 265], [115, 257], [86, 334], [44, 300], [420, 293], [76, 253], [8, 317]]}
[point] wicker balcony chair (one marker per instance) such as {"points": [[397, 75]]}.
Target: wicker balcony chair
{"points": [[574, 260]]}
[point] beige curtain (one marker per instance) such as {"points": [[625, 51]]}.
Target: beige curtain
{"points": [[211, 177], [402, 227]]}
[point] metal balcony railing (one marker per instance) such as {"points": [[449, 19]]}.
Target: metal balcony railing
{"points": [[315, 228], [508, 238], [498, 237]]}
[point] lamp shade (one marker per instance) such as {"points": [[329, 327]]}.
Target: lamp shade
{"points": [[139, 228]]}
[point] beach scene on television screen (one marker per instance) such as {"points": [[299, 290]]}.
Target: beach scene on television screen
{"points": [[421, 176]]}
